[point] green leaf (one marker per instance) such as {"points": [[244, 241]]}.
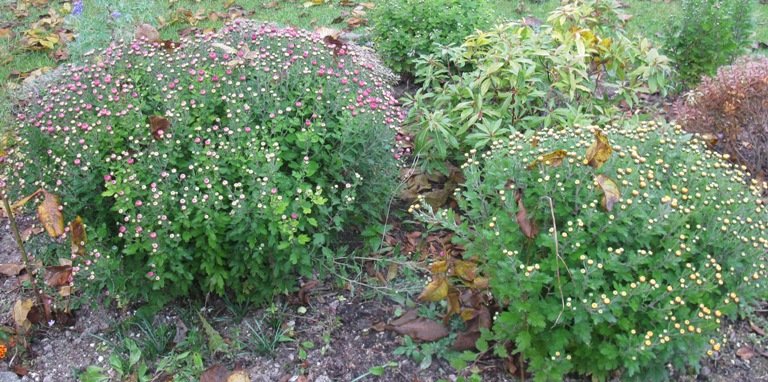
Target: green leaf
{"points": [[216, 342]]}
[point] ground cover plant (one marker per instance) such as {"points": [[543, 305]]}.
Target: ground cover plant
{"points": [[613, 251], [576, 68], [230, 160]]}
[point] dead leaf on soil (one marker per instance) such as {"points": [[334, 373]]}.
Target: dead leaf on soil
{"points": [[306, 289], [28, 232], [49, 214], [238, 376], [527, 226], [20, 311], [611, 193], [435, 291], [11, 269], [746, 353], [215, 373], [418, 328], [58, 275], [757, 329]]}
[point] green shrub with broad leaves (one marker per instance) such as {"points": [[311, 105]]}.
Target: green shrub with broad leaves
{"points": [[610, 253], [578, 67], [708, 34], [229, 162], [403, 30]]}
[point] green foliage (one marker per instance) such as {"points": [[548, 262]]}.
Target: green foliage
{"points": [[228, 163], [516, 77], [625, 264], [403, 30], [707, 34]]}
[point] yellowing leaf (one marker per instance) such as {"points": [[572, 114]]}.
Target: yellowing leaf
{"points": [[554, 159], [600, 151], [611, 193], [20, 311], [437, 290], [465, 269], [439, 266], [239, 376], [78, 236], [49, 214]]}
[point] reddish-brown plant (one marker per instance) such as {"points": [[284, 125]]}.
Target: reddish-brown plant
{"points": [[732, 109]]}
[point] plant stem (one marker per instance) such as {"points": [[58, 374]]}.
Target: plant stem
{"points": [[25, 257]]}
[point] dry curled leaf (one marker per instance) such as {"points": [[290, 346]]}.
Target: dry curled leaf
{"points": [[611, 193], [600, 151], [11, 269], [527, 226], [20, 312]]}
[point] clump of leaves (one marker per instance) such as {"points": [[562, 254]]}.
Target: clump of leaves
{"points": [[227, 161], [609, 251], [706, 35], [731, 109], [578, 67], [403, 30]]}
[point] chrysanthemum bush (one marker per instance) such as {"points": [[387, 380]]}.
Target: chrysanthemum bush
{"points": [[610, 252], [226, 162], [732, 109]]}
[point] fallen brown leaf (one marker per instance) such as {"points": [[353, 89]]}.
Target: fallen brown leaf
{"points": [[11, 269], [746, 353], [147, 32], [215, 373]]}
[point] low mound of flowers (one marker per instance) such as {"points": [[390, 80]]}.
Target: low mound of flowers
{"points": [[610, 252], [226, 161]]}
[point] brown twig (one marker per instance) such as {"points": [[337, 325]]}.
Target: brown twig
{"points": [[25, 257]]}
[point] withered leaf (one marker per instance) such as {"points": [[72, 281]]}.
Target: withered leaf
{"points": [[527, 226], [422, 329], [554, 159], [58, 275], [158, 126], [746, 353], [439, 266], [78, 236], [20, 312], [49, 214], [465, 269], [11, 269], [466, 340], [147, 32], [238, 376], [306, 289], [436, 290], [611, 193], [600, 151], [215, 373]]}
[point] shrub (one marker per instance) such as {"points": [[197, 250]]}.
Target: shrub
{"points": [[230, 163], [732, 109], [403, 30], [517, 77], [706, 35], [620, 268]]}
